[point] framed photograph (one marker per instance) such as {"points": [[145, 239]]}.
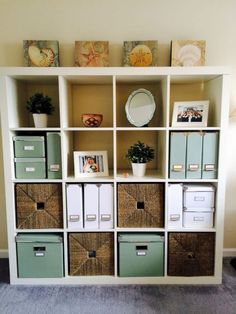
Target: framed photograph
{"points": [[92, 53], [188, 53], [90, 164], [190, 113], [41, 53], [140, 53]]}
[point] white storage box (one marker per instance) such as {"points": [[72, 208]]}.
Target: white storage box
{"points": [[175, 205], [91, 206], [197, 219], [199, 196], [106, 206], [74, 200]]}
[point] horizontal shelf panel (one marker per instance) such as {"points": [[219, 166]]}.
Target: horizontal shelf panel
{"points": [[88, 129], [97, 280], [36, 129], [185, 129], [90, 179], [140, 229], [193, 180], [151, 175], [192, 230], [141, 129], [88, 230], [37, 180], [51, 230]]}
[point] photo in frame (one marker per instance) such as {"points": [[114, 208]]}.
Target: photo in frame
{"points": [[90, 164], [190, 113]]}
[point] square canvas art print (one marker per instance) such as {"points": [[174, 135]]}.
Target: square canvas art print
{"points": [[92, 53], [41, 53], [188, 53], [140, 53]]}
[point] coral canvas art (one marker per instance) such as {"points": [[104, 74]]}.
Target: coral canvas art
{"points": [[188, 52], [140, 53], [41, 53], [92, 53]]}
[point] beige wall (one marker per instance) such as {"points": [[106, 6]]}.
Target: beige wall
{"points": [[116, 21]]}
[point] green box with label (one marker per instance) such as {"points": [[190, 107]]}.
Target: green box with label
{"points": [[39, 255], [141, 254], [29, 146], [30, 168]]}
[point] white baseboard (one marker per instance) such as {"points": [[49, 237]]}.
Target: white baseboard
{"points": [[3, 253], [229, 252], [226, 253]]}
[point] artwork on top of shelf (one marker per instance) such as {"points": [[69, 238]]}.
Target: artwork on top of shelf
{"points": [[92, 53], [190, 113], [140, 53], [188, 52], [140, 107], [41, 53], [90, 164]]}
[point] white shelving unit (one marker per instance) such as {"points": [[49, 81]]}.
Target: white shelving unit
{"points": [[79, 90]]}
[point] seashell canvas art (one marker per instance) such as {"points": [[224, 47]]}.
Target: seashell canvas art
{"points": [[188, 53], [140, 53], [92, 53], [41, 53]]}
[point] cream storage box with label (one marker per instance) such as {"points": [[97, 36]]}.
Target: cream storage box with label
{"points": [[105, 91]]}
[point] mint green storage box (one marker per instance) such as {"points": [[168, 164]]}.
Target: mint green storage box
{"points": [[29, 146], [30, 168], [39, 255], [141, 255]]}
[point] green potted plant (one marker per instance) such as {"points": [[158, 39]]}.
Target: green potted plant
{"points": [[40, 106], [139, 154]]}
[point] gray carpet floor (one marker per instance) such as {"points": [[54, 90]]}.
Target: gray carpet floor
{"points": [[165, 299]]}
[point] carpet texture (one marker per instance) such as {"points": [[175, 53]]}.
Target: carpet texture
{"points": [[119, 299]]}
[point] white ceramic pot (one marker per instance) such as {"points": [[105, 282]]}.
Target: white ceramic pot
{"points": [[139, 169], [40, 120]]}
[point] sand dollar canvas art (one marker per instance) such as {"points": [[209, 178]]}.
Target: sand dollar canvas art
{"points": [[140, 53]]}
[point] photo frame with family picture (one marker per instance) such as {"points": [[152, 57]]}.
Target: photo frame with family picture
{"points": [[190, 113], [90, 164]]}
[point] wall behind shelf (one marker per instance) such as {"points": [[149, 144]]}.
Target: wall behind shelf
{"points": [[70, 20]]}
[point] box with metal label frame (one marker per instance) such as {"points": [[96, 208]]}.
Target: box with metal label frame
{"points": [[141, 254], [39, 255]]}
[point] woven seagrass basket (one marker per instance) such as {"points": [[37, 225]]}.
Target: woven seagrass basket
{"points": [[38, 206], [140, 205], [191, 253], [91, 254]]}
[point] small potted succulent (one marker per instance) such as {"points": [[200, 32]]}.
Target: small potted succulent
{"points": [[139, 154], [40, 106]]}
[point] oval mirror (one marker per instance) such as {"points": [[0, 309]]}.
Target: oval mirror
{"points": [[140, 107]]}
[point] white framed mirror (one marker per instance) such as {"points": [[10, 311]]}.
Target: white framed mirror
{"points": [[140, 107]]}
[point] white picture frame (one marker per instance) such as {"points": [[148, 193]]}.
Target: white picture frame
{"points": [[90, 164], [190, 113]]}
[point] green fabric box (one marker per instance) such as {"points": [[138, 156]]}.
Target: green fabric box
{"points": [[29, 146], [30, 168], [54, 155], [39, 255], [141, 255]]}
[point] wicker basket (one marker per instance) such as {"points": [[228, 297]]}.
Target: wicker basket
{"points": [[140, 205], [91, 254], [38, 206], [191, 254]]}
